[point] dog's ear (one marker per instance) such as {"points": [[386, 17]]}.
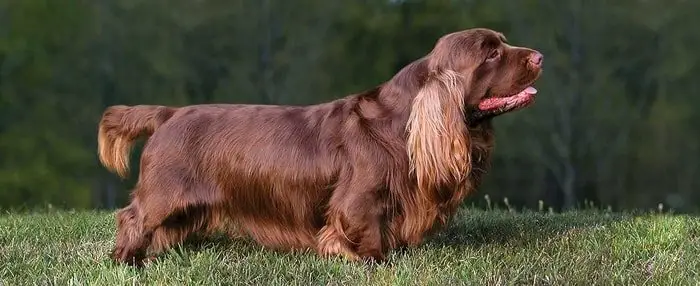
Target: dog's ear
{"points": [[438, 140]]}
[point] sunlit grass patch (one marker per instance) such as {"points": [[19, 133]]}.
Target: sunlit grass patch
{"points": [[495, 247]]}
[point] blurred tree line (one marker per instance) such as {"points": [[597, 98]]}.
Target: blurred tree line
{"points": [[616, 121]]}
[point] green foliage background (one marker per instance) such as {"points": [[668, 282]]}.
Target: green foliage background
{"points": [[615, 121]]}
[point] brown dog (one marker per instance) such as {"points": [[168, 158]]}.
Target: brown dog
{"points": [[356, 177]]}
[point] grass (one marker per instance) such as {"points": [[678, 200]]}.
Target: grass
{"points": [[496, 247]]}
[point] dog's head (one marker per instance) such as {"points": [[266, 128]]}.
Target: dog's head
{"points": [[469, 70], [492, 75]]}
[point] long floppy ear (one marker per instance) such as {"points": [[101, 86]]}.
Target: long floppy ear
{"points": [[438, 141]]}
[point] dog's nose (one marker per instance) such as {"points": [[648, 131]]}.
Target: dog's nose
{"points": [[536, 59]]}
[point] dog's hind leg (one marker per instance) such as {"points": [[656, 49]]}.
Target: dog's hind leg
{"points": [[144, 232], [131, 242], [163, 213]]}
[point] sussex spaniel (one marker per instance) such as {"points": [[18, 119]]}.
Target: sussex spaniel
{"points": [[357, 176]]}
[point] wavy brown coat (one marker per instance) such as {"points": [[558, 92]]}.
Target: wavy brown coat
{"points": [[356, 177]]}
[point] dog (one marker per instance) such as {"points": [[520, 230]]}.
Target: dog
{"points": [[354, 177]]}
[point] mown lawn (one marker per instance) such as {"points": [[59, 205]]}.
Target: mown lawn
{"points": [[480, 248]]}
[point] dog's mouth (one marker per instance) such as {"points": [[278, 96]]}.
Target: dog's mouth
{"points": [[507, 103]]}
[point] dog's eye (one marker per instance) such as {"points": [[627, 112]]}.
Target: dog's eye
{"points": [[493, 55]]}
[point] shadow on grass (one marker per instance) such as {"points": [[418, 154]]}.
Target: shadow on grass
{"points": [[469, 228], [475, 228], [222, 243], [219, 242]]}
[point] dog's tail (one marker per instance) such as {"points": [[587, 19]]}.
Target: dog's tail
{"points": [[120, 126]]}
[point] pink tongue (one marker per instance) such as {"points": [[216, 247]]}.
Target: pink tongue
{"points": [[495, 102], [491, 103]]}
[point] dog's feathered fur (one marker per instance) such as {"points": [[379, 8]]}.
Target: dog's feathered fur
{"points": [[356, 177]]}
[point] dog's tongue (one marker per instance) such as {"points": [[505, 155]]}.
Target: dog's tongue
{"points": [[530, 90], [496, 102]]}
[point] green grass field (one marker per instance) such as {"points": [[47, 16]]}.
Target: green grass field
{"points": [[480, 248]]}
